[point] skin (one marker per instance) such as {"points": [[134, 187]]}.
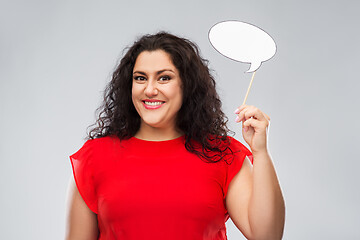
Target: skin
{"points": [[254, 200]]}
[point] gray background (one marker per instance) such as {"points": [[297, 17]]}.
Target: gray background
{"points": [[56, 57]]}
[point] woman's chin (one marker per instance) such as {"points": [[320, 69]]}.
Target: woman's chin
{"points": [[152, 123]]}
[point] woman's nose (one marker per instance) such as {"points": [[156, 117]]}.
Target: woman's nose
{"points": [[151, 89]]}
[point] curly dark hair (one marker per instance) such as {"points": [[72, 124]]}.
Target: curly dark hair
{"points": [[200, 117]]}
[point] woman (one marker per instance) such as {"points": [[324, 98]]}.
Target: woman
{"points": [[160, 165]]}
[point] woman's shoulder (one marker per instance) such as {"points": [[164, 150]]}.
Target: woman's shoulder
{"points": [[102, 142], [233, 141], [224, 140], [237, 146]]}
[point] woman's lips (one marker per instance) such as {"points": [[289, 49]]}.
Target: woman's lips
{"points": [[152, 104]]}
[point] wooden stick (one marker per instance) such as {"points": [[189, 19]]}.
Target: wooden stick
{"points": [[247, 93]]}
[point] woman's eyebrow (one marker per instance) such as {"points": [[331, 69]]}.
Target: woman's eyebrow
{"points": [[158, 72], [164, 70], [139, 72]]}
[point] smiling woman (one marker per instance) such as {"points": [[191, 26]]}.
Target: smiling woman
{"points": [[156, 95], [160, 164]]}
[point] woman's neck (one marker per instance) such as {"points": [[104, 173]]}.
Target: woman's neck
{"points": [[157, 134]]}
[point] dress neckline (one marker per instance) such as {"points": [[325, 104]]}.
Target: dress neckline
{"points": [[174, 140]]}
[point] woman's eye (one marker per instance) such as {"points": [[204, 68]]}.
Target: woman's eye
{"points": [[139, 78], [165, 78]]}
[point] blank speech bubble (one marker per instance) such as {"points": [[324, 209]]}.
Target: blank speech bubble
{"points": [[242, 42]]}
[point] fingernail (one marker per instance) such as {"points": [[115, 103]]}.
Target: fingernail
{"points": [[236, 111], [237, 119]]}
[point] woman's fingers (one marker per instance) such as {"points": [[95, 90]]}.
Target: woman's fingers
{"points": [[251, 122], [245, 112], [255, 124]]}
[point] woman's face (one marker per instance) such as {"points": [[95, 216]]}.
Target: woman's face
{"points": [[156, 89]]}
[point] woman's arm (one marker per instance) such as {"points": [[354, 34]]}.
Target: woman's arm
{"points": [[81, 221], [254, 199]]}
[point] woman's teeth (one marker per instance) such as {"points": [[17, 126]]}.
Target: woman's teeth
{"points": [[153, 103]]}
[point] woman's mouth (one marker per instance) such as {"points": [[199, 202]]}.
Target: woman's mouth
{"points": [[152, 104]]}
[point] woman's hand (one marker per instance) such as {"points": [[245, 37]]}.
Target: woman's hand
{"points": [[254, 127]]}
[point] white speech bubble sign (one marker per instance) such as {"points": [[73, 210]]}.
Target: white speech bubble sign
{"points": [[242, 42]]}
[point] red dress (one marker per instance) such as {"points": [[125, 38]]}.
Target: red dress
{"points": [[154, 190]]}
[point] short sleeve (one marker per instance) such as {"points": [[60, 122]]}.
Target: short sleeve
{"points": [[240, 152], [83, 169]]}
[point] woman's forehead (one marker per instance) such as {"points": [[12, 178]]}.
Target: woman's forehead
{"points": [[154, 61]]}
